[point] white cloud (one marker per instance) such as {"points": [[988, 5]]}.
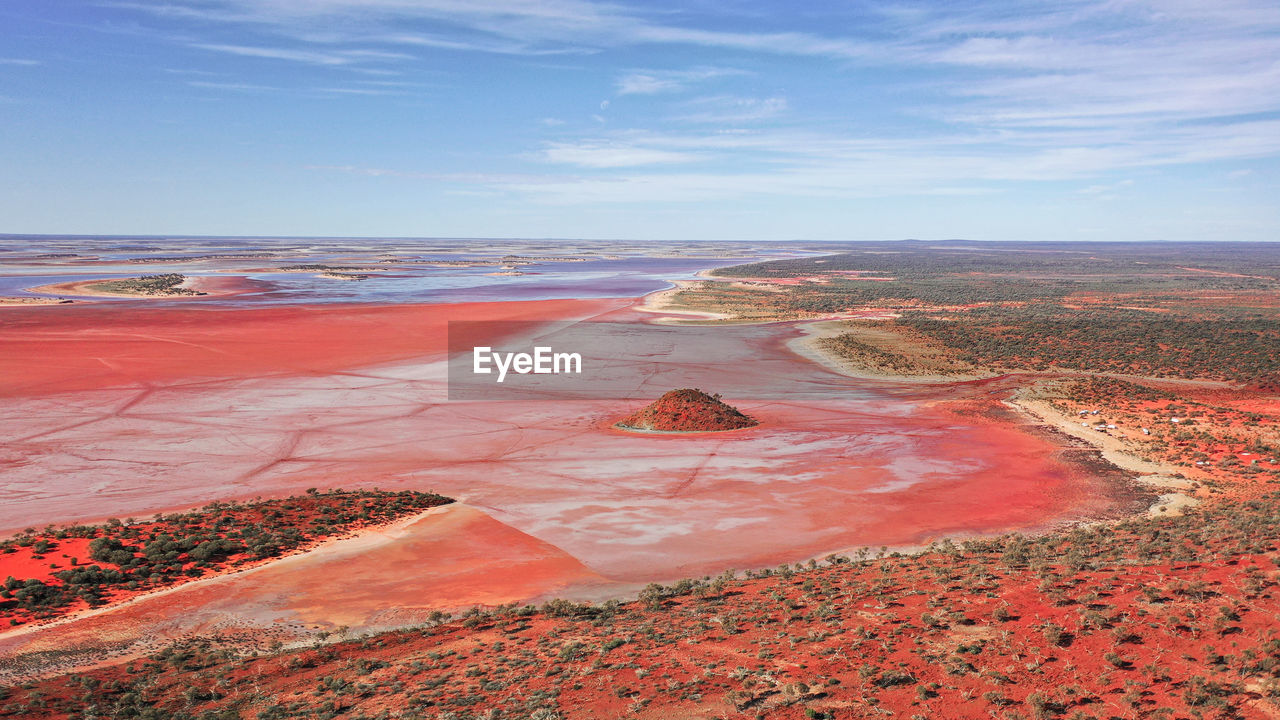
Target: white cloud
{"points": [[249, 87], [1067, 91], [1105, 189], [798, 163], [359, 91], [19, 61], [337, 57], [606, 154], [732, 110], [501, 26], [652, 82]]}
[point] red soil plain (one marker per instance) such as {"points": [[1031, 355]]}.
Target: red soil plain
{"points": [[135, 408]]}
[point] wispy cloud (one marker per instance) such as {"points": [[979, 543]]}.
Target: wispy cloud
{"points": [[608, 154], [1105, 189], [653, 82], [321, 91], [483, 179], [732, 110], [245, 87], [1076, 90], [532, 27], [336, 57], [788, 162], [19, 61], [495, 46], [360, 91]]}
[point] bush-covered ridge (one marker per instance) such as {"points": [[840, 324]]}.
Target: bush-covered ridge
{"points": [[1166, 618], [70, 568]]}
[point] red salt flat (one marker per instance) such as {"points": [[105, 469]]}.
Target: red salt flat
{"points": [[67, 348]]}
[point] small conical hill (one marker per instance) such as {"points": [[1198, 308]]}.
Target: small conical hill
{"points": [[687, 410]]}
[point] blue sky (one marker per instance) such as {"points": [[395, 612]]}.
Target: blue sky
{"points": [[704, 119]]}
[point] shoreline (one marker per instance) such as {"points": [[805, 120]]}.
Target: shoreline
{"points": [[1154, 476], [311, 550], [808, 345], [141, 646], [1029, 402], [662, 302], [33, 301], [79, 289]]}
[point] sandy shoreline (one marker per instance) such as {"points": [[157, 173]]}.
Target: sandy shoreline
{"points": [[1029, 402], [345, 541], [32, 301], [662, 302], [809, 346]]}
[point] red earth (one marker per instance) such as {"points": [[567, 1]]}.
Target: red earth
{"points": [[687, 410], [279, 526], [1122, 621], [130, 409]]}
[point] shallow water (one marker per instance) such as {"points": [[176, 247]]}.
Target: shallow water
{"points": [[605, 269]]}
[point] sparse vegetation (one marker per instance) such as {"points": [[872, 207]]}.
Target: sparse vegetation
{"points": [[823, 640], [167, 284], [130, 557]]}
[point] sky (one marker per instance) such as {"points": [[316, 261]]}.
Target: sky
{"points": [[702, 119]]}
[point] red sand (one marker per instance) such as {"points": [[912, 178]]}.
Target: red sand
{"points": [[23, 562], [453, 558]]}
